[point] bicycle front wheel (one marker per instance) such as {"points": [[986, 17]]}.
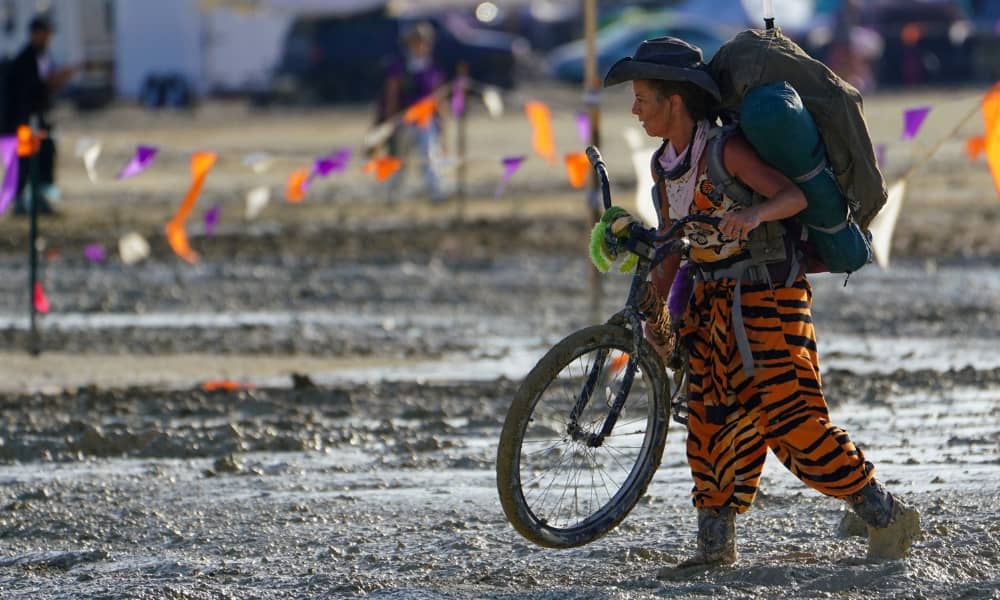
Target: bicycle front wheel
{"points": [[561, 482]]}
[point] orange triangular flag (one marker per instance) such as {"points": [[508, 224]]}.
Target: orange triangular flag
{"points": [[178, 240], [201, 164], [577, 167], [383, 167], [541, 127], [421, 112], [41, 302], [295, 189], [27, 142], [991, 117], [974, 146]]}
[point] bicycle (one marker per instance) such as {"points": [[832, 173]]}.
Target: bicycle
{"points": [[575, 422]]}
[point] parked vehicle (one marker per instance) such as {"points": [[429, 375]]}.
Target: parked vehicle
{"points": [[985, 41], [343, 58], [621, 38], [924, 42]]}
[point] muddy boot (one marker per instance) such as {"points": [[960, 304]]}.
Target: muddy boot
{"points": [[851, 525], [892, 525], [716, 538]]}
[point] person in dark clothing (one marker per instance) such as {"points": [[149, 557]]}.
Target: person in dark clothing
{"points": [[412, 77], [30, 85]]}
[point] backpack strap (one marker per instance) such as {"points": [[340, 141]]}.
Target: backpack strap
{"points": [[717, 173], [659, 190]]}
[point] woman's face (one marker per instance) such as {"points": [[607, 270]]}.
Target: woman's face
{"points": [[652, 110]]}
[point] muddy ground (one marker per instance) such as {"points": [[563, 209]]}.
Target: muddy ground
{"points": [[385, 340]]}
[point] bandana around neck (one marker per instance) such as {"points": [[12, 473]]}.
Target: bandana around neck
{"points": [[680, 190]]}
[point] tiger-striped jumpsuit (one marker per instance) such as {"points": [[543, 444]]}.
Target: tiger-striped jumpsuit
{"points": [[734, 418]]}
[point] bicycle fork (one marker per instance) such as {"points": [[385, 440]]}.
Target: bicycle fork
{"points": [[632, 315]]}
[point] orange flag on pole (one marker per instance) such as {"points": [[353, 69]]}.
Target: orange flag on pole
{"points": [[295, 188], [541, 127], [577, 167], [383, 167], [421, 112], [991, 117], [201, 164]]}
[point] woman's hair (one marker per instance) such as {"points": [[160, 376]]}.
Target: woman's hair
{"points": [[699, 103]]}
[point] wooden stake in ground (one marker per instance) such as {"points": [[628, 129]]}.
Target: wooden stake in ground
{"points": [[591, 93]]}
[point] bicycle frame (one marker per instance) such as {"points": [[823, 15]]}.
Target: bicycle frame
{"points": [[644, 243]]}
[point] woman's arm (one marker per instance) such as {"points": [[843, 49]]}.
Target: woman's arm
{"points": [[782, 197]]}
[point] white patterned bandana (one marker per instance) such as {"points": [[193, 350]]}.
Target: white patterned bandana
{"points": [[680, 191]]}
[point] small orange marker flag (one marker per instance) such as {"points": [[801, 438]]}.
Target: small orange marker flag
{"points": [[225, 385], [974, 146], [577, 167], [421, 112], [41, 302], [991, 117], [383, 167], [27, 142], [541, 127], [618, 363], [201, 164], [295, 189]]}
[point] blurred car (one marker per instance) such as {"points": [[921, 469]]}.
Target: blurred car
{"points": [[925, 42], [549, 23], [343, 58], [621, 38], [985, 42]]}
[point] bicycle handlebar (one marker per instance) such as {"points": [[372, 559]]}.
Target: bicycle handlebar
{"points": [[597, 162]]}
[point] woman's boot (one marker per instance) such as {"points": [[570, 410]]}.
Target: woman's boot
{"points": [[716, 538], [892, 525]]}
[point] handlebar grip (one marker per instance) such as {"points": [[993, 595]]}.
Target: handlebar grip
{"points": [[597, 162], [594, 156]]}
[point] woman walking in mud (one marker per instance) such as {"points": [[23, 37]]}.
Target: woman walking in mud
{"points": [[754, 378]]}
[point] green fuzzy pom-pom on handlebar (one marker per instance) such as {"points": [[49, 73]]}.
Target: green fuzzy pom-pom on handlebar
{"points": [[620, 221]]}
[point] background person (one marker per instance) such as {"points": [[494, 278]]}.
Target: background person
{"points": [[29, 89], [411, 77]]}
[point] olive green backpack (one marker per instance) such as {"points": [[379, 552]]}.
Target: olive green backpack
{"points": [[757, 57]]}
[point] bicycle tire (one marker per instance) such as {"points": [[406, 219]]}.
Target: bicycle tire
{"points": [[540, 529]]}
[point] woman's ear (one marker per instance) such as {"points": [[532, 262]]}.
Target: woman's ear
{"points": [[676, 104]]}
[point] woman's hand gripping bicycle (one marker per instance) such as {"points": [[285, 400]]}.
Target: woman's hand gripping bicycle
{"points": [[586, 429]]}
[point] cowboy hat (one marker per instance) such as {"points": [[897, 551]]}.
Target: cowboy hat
{"points": [[666, 58]]}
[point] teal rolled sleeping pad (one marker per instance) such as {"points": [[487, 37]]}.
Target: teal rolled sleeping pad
{"points": [[783, 133]]}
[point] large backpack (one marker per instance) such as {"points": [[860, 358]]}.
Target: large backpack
{"points": [[758, 57]]}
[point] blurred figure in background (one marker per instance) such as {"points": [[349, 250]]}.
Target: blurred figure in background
{"points": [[853, 48], [411, 77], [29, 90]]}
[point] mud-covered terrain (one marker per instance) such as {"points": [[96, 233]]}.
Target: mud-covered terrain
{"points": [[382, 344]]}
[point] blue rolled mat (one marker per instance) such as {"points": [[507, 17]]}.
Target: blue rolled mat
{"points": [[783, 133]]}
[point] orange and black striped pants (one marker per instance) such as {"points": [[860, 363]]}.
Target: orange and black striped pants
{"points": [[734, 418]]}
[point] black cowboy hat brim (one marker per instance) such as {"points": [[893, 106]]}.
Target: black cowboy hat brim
{"points": [[628, 69]]}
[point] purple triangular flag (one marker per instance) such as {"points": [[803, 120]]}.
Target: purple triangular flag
{"points": [[913, 118], [212, 218], [8, 153], [510, 166], [95, 252], [144, 156], [583, 126], [334, 162], [458, 97]]}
